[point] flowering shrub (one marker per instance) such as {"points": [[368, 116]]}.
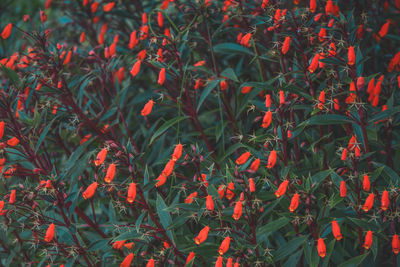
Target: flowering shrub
{"points": [[199, 133]]}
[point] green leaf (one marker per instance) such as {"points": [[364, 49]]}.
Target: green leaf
{"points": [[230, 74], [231, 48], [164, 215], [210, 86], [11, 74], [166, 126], [327, 119], [43, 135], [353, 262], [289, 248], [273, 226]]}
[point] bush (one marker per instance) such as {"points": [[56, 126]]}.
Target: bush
{"points": [[245, 133]]}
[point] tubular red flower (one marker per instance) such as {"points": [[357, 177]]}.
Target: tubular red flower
{"points": [[89, 192], [135, 68], [267, 119], [189, 198], [272, 159], [313, 5], [366, 183], [6, 31], [237, 211], [108, 7], [50, 233], [150, 263], [110, 173], [2, 126], [369, 202], [395, 244], [385, 200], [131, 193], [252, 187], [190, 258], [202, 236], [147, 108], [255, 165], [243, 158], [294, 203], [12, 197], [101, 157], [161, 77], [336, 230], [282, 189], [209, 203], [321, 248], [127, 261], [351, 56], [286, 45], [224, 246], [343, 189], [368, 240]]}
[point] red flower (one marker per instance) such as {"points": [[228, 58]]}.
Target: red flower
{"points": [[366, 183], [237, 211], [6, 31], [135, 68], [147, 108], [294, 203], [243, 158], [395, 244], [89, 192], [385, 200], [282, 189], [321, 248], [189, 198], [110, 173], [336, 230], [314, 63], [351, 56], [229, 192], [245, 41], [177, 152], [50, 233], [209, 203], [267, 119], [13, 141], [118, 244], [254, 166], [369, 202], [313, 5], [368, 240], [189, 258], [384, 29], [101, 157], [271, 159], [127, 261], [252, 187], [108, 7], [150, 263], [219, 261], [224, 246], [161, 77], [343, 189], [202, 236], [286, 44], [131, 193], [12, 197], [2, 126], [267, 101], [344, 154]]}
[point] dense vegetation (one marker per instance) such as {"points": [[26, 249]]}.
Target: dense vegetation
{"points": [[199, 133]]}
